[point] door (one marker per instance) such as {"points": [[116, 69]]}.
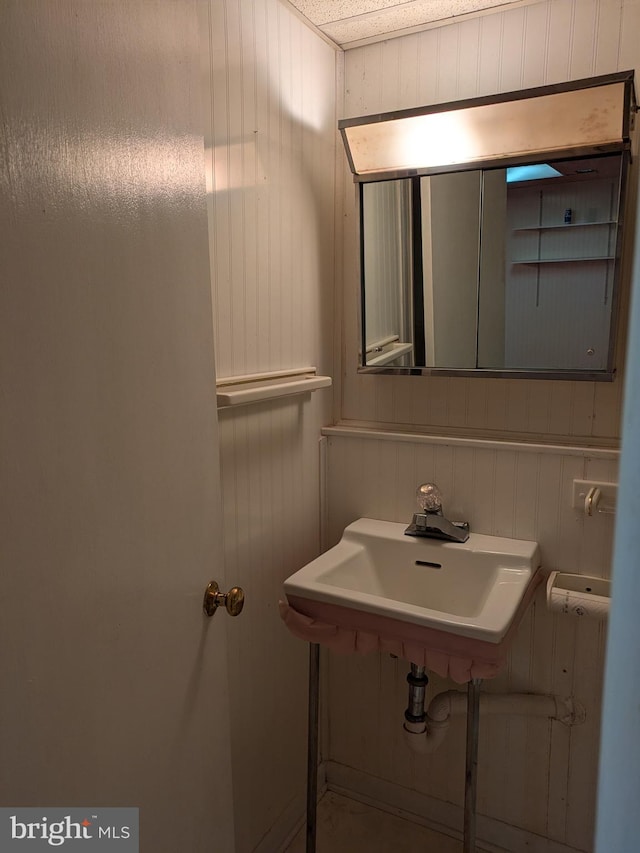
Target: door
{"points": [[113, 682]]}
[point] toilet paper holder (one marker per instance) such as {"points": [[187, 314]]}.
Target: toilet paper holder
{"points": [[578, 595]]}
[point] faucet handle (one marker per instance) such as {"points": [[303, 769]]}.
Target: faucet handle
{"points": [[429, 498]]}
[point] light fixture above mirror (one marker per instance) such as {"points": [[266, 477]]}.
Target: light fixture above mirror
{"points": [[581, 117]]}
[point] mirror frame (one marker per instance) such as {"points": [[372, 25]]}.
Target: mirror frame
{"points": [[622, 146]]}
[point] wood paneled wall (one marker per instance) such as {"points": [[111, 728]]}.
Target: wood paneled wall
{"points": [[270, 155], [537, 779]]}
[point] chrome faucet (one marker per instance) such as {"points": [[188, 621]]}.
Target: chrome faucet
{"points": [[430, 522]]}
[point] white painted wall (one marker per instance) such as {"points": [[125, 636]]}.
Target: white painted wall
{"points": [[114, 686], [537, 781], [271, 146]]}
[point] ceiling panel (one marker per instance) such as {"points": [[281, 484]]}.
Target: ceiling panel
{"points": [[348, 22]]}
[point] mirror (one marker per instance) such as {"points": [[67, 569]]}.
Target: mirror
{"points": [[491, 230], [508, 269]]}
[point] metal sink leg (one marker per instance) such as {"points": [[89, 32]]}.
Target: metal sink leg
{"points": [[312, 746], [471, 769]]}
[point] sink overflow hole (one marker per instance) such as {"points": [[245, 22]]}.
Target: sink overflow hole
{"points": [[427, 563]]}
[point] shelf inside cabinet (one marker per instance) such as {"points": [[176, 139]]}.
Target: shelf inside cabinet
{"points": [[533, 261], [565, 225]]}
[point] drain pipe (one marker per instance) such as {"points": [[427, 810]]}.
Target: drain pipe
{"points": [[415, 714], [424, 732]]}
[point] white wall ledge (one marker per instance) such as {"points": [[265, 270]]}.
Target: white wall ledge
{"points": [[257, 387], [382, 434]]}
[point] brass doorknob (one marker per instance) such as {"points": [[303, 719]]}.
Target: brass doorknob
{"points": [[233, 600]]}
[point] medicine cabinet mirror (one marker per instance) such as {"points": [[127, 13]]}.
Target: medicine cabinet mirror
{"points": [[504, 264]]}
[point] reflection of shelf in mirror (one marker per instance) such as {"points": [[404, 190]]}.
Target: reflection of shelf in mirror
{"points": [[382, 343], [565, 225], [395, 351], [563, 260]]}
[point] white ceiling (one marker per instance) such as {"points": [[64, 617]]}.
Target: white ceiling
{"points": [[352, 22]]}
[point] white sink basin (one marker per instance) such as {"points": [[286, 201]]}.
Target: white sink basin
{"points": [[378, 579]]}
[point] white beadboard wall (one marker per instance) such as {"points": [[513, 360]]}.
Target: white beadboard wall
{"points": [[544, 43], [537, 779], [270, 154], [534, 775]]}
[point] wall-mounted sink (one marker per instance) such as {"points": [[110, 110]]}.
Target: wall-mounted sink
{"points": [[416, 596]]}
